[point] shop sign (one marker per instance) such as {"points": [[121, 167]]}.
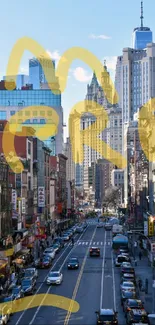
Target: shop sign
{"points": [[152, 247], [14, 200], [151, 227], [41, 197], [17, 247], [23, 205], [146, 228]]}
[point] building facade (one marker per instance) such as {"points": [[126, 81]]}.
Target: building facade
{"points": [[70, 165]]}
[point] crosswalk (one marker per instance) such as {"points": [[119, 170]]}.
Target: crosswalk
{"points": [[91, 243]]}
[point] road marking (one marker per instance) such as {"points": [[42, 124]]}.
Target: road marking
{"points": [[38, 309], [101, 242], [109, 243], [98, 243], [113, 278], [78, 283], [94, 242], [87, 243], [102, 278]]}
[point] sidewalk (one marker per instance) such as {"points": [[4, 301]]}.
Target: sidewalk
{"points": [[144, 271]]}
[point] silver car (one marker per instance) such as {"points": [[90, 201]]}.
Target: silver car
{"points": [[54, 277], [50, 252]]}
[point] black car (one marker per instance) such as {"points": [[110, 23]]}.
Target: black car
{"points": [[130, 304], [94, 251], [106, 316], [73, 263], [137, 316], [17, 293], [127, 295], [28, 286]]}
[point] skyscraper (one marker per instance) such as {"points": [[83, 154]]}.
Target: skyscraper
{"points": [[36, 71], [141, 35]]}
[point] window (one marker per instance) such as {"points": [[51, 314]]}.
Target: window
{"points": [[42, 121], [27, 113], [35, 121], [27, 122], [12, 113], [3, 115], [20, 113]]}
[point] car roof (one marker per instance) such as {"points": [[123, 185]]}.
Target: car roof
{"points": [[134, 300], [128, 275], [94, 247], [30, 269], [106, 312], [73, 258], [26, 278]]}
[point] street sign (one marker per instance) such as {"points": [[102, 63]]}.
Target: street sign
{"points": [[146, 228]]}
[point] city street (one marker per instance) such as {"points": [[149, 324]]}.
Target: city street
{"points": [[95, 284]]}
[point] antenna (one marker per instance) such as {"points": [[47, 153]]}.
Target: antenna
{"points": [[141, 17]]}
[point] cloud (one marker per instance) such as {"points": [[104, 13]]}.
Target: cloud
{"points": [[24, 70], [81, 75], [110, 62], [103, 37], [55, 55]]}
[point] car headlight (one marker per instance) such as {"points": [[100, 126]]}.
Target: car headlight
{"points": [[57, 281], [68, 265], [76, 265]]}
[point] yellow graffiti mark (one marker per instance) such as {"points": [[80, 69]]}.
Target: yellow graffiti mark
{"points": [[13, 127], [80, 137], [146, 129], [50, 300], [61, 80]]}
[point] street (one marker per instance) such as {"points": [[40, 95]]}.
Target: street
{"points": [[95, 284]]}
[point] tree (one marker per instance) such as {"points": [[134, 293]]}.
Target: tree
{"points": [[111, 198]]}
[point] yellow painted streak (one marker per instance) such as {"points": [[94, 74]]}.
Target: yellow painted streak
{"points": [[43, 300], [77, 285]]}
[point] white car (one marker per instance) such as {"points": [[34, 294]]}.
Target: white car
{"points": [[50, 252], [127, 286], [54, 277], [100, 225]]}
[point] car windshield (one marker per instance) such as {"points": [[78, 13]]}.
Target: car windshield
{"points": [[15, 290], [46, 259], [128, 284], [129, 294], [134, 303], [106, 318], [29, 272], [73, 260], [26, 282], [54, 274]]}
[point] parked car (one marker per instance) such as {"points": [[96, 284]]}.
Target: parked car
{"points": [[106, 316], [94, 251], [73, 263], [127, 295], [79, 230], [60, 241], [130, 304], [125, 286], [54, 277], [128, 277], [56, 247], [17, 293], [120, 259], [50, 252], [30, 272], [28, 286], [127, 269], [136, 316], [65, 237]]}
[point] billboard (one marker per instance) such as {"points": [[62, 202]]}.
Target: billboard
{"points": [[41, 196]]}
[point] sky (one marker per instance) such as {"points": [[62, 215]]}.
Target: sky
{"points": [[102, 27]]}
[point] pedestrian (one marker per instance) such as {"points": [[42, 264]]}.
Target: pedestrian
{"points": [[140, 255], [140, 284]]}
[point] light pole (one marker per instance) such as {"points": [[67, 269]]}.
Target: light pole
{"points": [[153, 284]]}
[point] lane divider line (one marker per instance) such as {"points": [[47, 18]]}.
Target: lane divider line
{"points": [[38, 309], [78, 283], [103, 269], [23, 313]]}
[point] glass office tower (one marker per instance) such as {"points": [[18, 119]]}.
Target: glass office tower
{"points": [[141, 37], [36, 72], [14, 101]]}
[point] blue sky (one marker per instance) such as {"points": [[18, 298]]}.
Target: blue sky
{"points": [[59, 25]]}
